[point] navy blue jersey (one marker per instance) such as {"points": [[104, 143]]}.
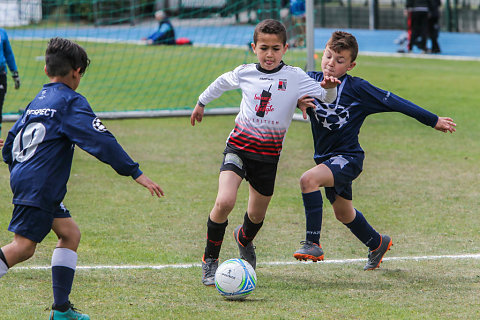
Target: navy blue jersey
{"points": [[39, 147], [336, 126]]}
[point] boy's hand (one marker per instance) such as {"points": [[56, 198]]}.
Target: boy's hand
{"points": [[1, 143], [197, 114], [150, 185], [445, 124], [329, 82], [303, 103]]}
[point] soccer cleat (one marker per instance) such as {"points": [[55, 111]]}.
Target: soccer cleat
{"points": [[309, 251], [209, 267], [375, 256], [246, 252], [71, 314]]}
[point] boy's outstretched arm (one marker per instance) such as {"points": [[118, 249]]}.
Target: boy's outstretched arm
{"points": [[150, 185], [445, 124], [197, 114]]}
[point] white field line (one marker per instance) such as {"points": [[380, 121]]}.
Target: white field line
{"points": [[273, 263]]}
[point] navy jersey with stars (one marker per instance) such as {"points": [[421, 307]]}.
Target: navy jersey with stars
{"points": [[39, 147], [335, 126]]}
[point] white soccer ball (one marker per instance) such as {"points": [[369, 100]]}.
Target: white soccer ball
{"points": [[235, 279]]}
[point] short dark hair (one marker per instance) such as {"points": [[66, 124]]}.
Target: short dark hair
{"points": [[270, 26], [63, 55], [341, 40]]}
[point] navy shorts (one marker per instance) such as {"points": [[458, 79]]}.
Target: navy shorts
{"points": [[34, 223], [345, 169], [261, 175]]}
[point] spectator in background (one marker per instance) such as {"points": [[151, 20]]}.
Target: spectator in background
{"points": [[297, 10], [434, 25], [6, 58], [165, 33], [419, 13]]}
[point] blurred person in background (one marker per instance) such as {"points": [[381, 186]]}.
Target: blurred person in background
{"points": [[434, 25], [297, 10], [6, 59], [419, 13], [165, 33]]}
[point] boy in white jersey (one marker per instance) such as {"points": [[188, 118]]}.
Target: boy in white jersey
{"points": [[270, 90]]}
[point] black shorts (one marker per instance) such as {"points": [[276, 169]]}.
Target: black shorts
{"points": [[261, 175]]}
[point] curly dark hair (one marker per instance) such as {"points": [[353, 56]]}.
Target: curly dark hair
{"points": [[63, 55]]}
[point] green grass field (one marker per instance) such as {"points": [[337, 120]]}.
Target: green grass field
{"points": [[420, 186]]}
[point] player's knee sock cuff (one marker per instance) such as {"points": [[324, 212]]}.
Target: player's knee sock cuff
{"points": [[249, 230], [3, 264], [312, 200], [64, 263], [215, 235], [2, 257]]}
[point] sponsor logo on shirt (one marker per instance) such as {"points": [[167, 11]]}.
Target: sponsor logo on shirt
{"points": [[42, 95], [264, 103], [47, 112], [282, 84]]}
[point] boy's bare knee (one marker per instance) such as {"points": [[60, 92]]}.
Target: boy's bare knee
{"points": [[72, 237], [307, 183], [23, 250], [29, 252], [224, 206], [69, 236]]}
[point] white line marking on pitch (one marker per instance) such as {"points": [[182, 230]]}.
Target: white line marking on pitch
{"points": [[335, 261]]}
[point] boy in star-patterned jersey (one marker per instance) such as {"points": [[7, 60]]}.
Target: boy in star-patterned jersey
{"points": [[339, 157], [39, 150], [270, 91]]}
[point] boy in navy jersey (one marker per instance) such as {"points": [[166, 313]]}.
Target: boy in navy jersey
{"points": [[39, 150], [338, 154], [270, 91]]}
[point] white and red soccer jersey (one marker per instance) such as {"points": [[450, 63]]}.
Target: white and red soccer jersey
{"points": [[269, 99]]}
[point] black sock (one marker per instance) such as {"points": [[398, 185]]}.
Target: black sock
{"points": [[249, 230], [2, 256], [215, 234], [63, 307]]}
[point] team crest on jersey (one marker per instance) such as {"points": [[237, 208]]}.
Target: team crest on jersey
{"points": [[282, 84], [331, 116], [98, 125]]}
